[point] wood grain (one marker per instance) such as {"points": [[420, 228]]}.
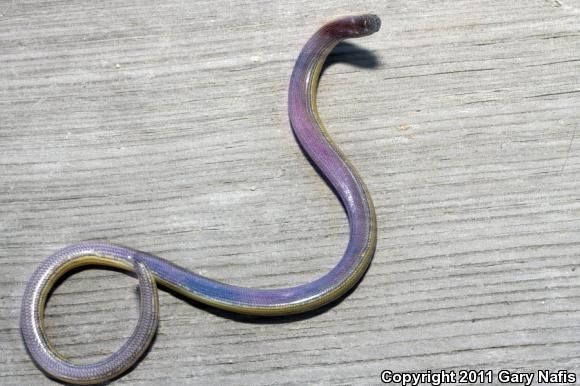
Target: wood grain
{"points": [[162, 126]]}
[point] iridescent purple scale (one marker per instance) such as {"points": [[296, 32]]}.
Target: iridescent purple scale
{"points": [[333, 166]]}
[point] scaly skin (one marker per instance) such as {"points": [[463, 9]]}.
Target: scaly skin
{"points": [[334, 167]]}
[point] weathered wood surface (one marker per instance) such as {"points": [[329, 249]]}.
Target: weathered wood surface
{"points": [[162, 126]]}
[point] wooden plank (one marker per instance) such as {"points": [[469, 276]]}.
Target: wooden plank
{"points": [[163, 126]]}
